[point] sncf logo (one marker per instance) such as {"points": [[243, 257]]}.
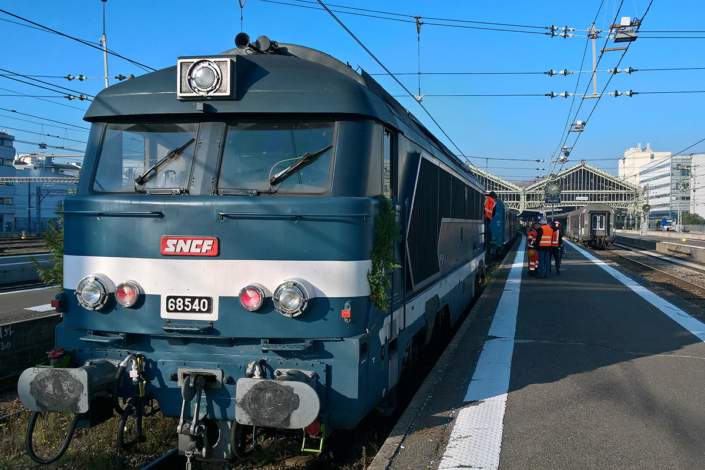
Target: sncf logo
{"points": [[189, 246]]}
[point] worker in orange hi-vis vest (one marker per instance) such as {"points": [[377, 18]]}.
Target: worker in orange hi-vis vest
{"points": [[534, 259], [544, 238], [490, 210]]}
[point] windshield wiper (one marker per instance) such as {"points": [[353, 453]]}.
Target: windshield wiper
{"points": [[141, 179], [306, 160]]}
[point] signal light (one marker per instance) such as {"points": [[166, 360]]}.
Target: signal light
{"points": [[128, 293], [252, 297]]}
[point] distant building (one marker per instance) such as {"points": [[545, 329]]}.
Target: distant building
{"points": [[666, 185], [7, 190], [29, 206], [697, 184], [634, 159]]}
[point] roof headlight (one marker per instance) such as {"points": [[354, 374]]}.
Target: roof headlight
{"points": [[93, 291], [291, 298], [204, 77]]}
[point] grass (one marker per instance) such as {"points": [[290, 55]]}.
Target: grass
{"points": [[90, 449]]}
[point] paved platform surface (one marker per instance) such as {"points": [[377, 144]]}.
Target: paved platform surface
{"points": [[26, 304], [677, 241], [584, 370]]}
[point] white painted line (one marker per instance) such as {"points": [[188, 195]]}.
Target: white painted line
{"points": [[26, 290], [674, 313], [40, 308], [476, 439]]}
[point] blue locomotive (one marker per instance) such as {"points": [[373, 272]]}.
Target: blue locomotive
{"points": [[218, 252]]}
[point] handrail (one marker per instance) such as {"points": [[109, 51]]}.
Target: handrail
{"points": [[153, 214], [269, 215]]}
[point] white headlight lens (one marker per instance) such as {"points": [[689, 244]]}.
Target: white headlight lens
{"points": [[92, 291], [204, 77], [290, 299]]}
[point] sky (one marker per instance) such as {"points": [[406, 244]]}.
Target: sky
{"points": [[157, 32]]}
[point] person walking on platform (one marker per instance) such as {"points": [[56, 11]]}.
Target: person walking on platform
{"points": [[533, 260], [490, 210], [544, 238], [556, 242]]}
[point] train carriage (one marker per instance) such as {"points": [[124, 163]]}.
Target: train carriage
{"points": [[218, 248], [592, 225], [503, 227]]}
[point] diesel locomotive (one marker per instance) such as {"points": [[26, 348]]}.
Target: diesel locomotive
{"points": [[218, 258], [592, 225]]}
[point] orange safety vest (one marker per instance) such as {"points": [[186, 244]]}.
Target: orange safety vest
{"points": [[489, 207], [532, 236], [547, 236], [554, 238]]}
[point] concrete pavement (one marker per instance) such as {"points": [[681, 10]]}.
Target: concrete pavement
{"points": [[599, 373]]}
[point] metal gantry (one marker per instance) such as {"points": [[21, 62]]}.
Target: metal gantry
{"points": [[580, 185]]}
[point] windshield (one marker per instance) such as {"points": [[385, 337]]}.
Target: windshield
{"points": [[254, 153], [130, 149]]}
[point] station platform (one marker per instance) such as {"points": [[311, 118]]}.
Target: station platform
{"points": [[589, 369], [683, 247]]}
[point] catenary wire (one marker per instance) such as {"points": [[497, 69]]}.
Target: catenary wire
{"points": [[75, 39], [45, 135], [48, 145], [17, 94], [399, 20], [425, 17], [43, 118], [396, 79], [40, 123], [40, 86], [42, 81]]}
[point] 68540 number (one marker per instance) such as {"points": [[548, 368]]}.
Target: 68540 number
{"points": [[185, 304]]}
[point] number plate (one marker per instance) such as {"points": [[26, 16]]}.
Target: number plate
{"points": [[187, 304]]}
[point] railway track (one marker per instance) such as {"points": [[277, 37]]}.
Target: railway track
{"points": [[686, 282]]}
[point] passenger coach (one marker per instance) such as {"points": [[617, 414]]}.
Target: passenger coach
{"points": [[224, 253]]}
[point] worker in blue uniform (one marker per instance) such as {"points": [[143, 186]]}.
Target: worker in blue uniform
{"points": [[556, 247]]}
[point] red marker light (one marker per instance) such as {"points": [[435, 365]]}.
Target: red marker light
{"points": [[127, 293], [345, 314], [252, 297], [314, 428]]}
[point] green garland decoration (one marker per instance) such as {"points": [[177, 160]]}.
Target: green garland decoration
{"points": [[387, 231]]}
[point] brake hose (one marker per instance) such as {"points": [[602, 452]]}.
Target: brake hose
{"points": [[62, 450], [133, 406], [116, 384]]}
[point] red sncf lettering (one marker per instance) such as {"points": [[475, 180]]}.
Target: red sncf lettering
{"points": [[189, 246]]}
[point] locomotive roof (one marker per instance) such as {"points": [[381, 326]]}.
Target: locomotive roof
{"points": [[289, 80]]}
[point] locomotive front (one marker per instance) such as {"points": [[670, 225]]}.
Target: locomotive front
{"points": [[217, 252]]}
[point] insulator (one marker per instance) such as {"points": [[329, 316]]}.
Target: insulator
{"points": [[630, 93], [565, 94], [69, 77], [551, 73], [565, 72], [629, 70], [552, 95], [81, 77], [617, 93]]}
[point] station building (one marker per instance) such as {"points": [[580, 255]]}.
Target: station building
{"points": [[697, 184], [666, 186], [634, 159]]}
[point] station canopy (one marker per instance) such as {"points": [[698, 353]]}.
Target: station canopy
{"points": [[580, 185]]}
